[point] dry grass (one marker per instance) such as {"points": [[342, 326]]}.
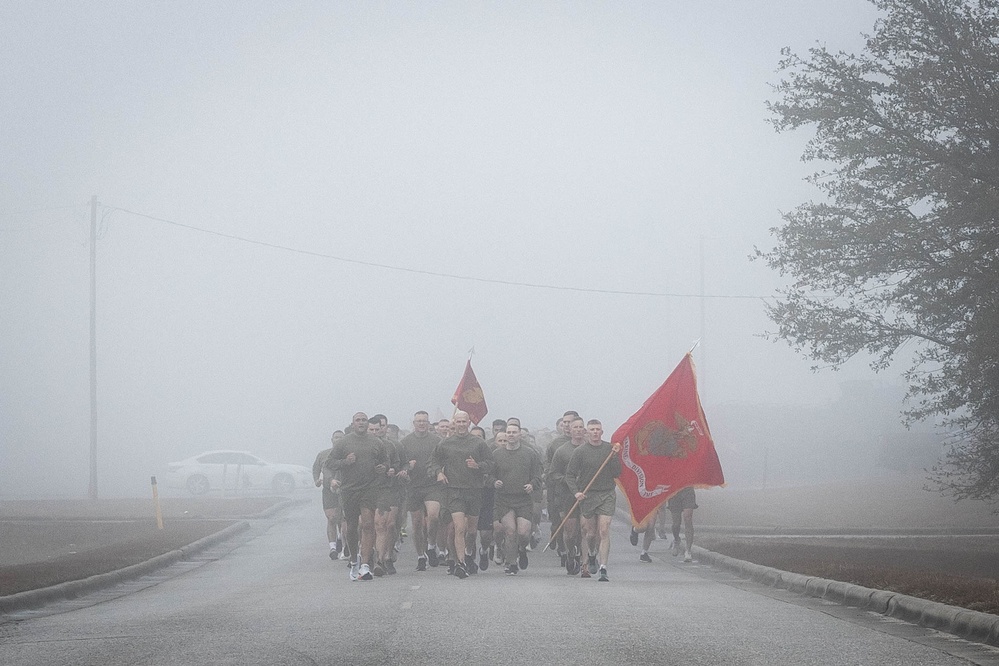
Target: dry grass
{"points": [[46, 542], [928, 574]]}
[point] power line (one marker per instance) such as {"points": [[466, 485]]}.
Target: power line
{"points": [[452, 276]]}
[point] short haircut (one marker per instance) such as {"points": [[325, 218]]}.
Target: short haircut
{"points": [[571, 412], [513, 418], [578, 418], [427, 414], [593, 422], [499, 423], [480, 429], [378, 418]]}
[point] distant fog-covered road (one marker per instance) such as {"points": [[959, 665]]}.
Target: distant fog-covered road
{"points": [[278, 599]]}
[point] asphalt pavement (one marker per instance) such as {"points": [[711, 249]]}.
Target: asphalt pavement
{"points": [[272, 596]]}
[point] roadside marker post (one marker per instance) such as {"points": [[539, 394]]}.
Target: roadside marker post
{"points": [[156, 503]]}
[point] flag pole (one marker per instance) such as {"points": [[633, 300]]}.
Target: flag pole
{"points": [[614, 449]]}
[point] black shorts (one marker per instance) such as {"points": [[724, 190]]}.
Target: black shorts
{"points": [[486, 510], [521, 505], [418, 496], [331, 500], [352, 501], [685, 499], [463, 500]]}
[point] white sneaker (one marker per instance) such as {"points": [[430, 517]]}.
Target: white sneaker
{"points": [[687, 557], [353, 573], [674, 549], [364, 573]]}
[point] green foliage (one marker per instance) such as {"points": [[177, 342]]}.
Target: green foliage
{"points": [[904, 248]]}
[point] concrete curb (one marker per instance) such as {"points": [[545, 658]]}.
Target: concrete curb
{"points": [[75, 588], [967, 624]]}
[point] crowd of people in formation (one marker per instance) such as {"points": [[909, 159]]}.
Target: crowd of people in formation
{"points": [[472, 501]]}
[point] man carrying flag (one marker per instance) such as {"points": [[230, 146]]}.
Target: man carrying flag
{"points": [[666, 446], [468, 396]]}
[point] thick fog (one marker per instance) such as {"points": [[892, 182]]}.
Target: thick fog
{"points": [[309, 209]]}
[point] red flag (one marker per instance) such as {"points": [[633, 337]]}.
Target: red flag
{"points": [[666, 446], [468, 396]]}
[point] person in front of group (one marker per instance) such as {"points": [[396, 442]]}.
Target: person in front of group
{"points": [[355, 465], [595, 461], [459, 462], [425, 492], [517, 473], [331, 500]]}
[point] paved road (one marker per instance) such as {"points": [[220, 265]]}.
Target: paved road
{"points": [[276, 598]]}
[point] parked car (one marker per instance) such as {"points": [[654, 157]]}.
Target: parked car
{"points": [[236, 471]]}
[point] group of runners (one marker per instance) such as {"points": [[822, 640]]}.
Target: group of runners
{"points": [[470, 500]]}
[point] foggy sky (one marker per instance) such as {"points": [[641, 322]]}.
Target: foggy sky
{"points": [[581, 145]]}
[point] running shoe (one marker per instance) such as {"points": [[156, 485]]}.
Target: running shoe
{"points": [[563, 558], [591, 564], [572, 565], [674, 549], [390, 567], [379, 569], [460, 572], [483, 559], [450, 567], [364, 573], [432, 556], [584, 571], [687, 557], [333, 553], [470, 566], [522, 560], [634, 537], [421, 563], [353, 573], [497, 555], [603, 575], [511, 570], [644, 557]]}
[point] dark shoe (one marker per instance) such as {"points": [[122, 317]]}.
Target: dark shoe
{"points": [[511, 570], [483, 560], [390, 567], [460, 572], [564, 558], [572, 565], [470, 566], [333, 553], [432, 557], [644, 557], [591, 564], [584, 572], [421, 564], [522, 560], [378, 569], [450, 567], [603, 575], [634, 537]]}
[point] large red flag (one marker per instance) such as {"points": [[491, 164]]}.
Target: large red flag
{"points": [[666, 446], [468, 396]]}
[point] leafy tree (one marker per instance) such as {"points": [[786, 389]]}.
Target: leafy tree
{"points": [[902, 253]]}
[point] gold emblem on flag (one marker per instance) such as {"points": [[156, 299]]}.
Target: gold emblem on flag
{"points": [[658, 439], [473, 395]]}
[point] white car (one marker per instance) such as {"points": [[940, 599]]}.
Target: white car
{"points": [[237, 472]]}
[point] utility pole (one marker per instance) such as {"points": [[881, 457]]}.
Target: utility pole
{"points": [[93, 348], [702, 383]]}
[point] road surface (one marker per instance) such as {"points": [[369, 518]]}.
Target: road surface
{"points": [[274, 597]]}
